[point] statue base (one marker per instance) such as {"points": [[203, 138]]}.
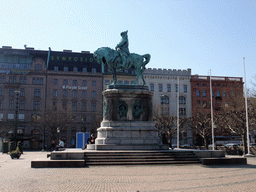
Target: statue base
{"points": [[127, 120]]}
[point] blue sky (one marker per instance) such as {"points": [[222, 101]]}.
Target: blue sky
{"points": [[179, 34]]}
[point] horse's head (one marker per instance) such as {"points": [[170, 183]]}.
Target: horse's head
{"points": [[97, 56]]}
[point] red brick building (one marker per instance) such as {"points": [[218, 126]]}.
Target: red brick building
{"points": [[224, 90]]}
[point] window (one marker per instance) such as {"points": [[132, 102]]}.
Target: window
{"points": [[83, 118], [204, 104], [75, 69], [84, 94], [65, 82], [55, 93], [22, 105], [37, 92], [11, 92], [1, 91], [119, 82], [84, 83], [65, 93], [65, 69], [203, 84], [84, 70], [224, 85], [84, 106], [218, 93], [93, 94], [64, 105], [36, 105], [218, 85], [21, 80], [160, 87], [168, 88], [93, 106], [106, 82], [126, 71], [74, 106], [22, 92], [11, 104], [37, 81], [56, 68], [182, 111], [185, 88], [10, 116], [224, 94], [41, 81], [21, 117], [55, 81], [93, 83], [93, 70], [197, 93], [75, 93], [231, 94], [218, 103], [1, 116], [197, 84], [126, 82], [226, 104], [74, 82], [212, 93], [34, 81], [182, 100], [1, 104], [151, 87], [176, 88], [54, 105], [164, 99], [198, 103], [204, 93]]}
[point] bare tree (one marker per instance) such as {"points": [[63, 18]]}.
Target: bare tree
{"points": [[233, 117]]}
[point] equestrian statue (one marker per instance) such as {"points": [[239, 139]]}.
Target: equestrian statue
{"points": [[121, 58]]}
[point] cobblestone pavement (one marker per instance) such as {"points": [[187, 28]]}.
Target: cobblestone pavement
{"points": [[17, 175]]}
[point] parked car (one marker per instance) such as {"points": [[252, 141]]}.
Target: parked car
{"points": [[231, 145]]}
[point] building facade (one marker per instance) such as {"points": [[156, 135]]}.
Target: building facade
{"points": [[34, 83], [171, 90], [224, 91]]}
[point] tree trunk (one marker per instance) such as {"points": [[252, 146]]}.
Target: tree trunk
{"points": [[206, 142], [244, 141]]}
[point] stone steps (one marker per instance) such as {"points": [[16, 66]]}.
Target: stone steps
{"points": [[138, 158]]}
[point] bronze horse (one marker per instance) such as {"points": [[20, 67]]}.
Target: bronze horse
{"points": [[112, 58]]}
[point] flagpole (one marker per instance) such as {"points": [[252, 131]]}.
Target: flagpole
{"points": [[246, 112], [213, 147], [178, 115]]}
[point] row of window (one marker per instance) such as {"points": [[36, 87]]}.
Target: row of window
{"points": [[75, 69], [217, 85], [10, 116], [74, 82], [204, 103], [119, 82], [36, 105], [74, 106], [165, 99], [37, 93], [168, 88], [74, 93], [224, 93]]}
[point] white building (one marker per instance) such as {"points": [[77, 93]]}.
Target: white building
{"points": [[167, 84]]}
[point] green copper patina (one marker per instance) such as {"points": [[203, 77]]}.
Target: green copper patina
{"points": [[122, 109], [121, 58]]}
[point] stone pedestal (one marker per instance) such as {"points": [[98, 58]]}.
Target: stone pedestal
{"points": [[127, 120]]}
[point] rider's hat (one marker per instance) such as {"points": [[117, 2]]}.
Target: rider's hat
{"points": [[124, 33]]}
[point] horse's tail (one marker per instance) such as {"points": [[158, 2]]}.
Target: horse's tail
{"points": [[147, 59]]}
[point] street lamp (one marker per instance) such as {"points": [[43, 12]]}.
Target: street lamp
{"points": [[16, 118], [58, 131]]}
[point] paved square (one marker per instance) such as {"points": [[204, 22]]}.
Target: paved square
{"points": [[17, 175]]}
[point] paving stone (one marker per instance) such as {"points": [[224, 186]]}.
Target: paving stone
{"points": [[17, 175]]}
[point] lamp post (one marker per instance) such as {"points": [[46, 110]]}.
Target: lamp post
{"points": [[16, 118], [58, 132]]}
